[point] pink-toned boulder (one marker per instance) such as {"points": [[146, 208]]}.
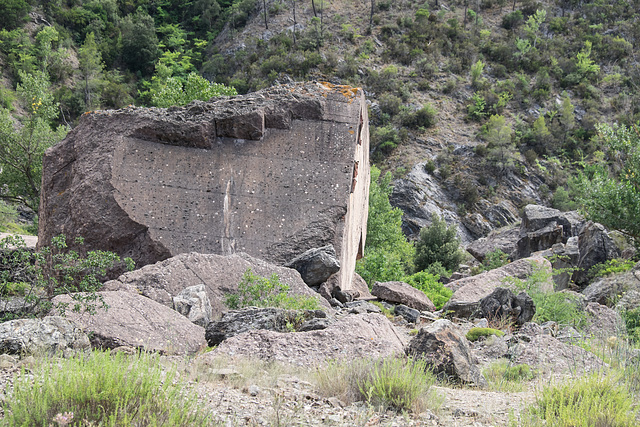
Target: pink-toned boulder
{"points": [[403, 293], [136, 321], [469, 291]]}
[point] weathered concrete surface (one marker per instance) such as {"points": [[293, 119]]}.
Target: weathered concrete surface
{"points": [[272, 173]]}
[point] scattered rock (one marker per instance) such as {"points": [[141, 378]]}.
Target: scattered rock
{"points": [[504, 239], [607, 289], [220, 276], [595, 247], [403, 293], [469, 291], [136, 321], [251, 318], [359, 288], [360, 307], [194, 304], [363, 335], [542, 227], [51, 335], [316, 265], [502, 304], [410, 314], [447, 352], [602, 321]]}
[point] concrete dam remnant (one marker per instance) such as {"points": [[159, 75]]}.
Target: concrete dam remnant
{"points": [[273, 174]]}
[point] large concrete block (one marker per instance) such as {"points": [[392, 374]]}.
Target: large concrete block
{"points": [[273, 174]]}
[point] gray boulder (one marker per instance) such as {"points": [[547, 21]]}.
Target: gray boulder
{"points": [[565, 257], [220, 276], [411, 315], [194, 304], [50, 334], [274, 319], [359, 288], [504, 239], [543, 227], [595, 247], [606, 290], [402, 293], [447, 352], [602, 321], [136, 321], [369, 335], [469, 291], [502, 303], [316, 265]]}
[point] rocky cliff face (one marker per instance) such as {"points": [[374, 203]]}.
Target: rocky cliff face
{"points": [[272, 174]]}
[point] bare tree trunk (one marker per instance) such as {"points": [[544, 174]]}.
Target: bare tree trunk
{"points": [[466, 7], [373, 7], [313, 5], [264, 5], [514, 6], [295, 23]]}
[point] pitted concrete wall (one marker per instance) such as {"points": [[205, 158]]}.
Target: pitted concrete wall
{"points": [[272, 174]]}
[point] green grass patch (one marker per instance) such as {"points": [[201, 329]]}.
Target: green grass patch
{"points": [[593, 400], [257, 291], [100, 389], [475, 334], [429, 284], [609, 267], [503, 376]]}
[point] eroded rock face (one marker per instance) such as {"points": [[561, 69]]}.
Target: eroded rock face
{"points": [[220, 276], [50, 334], [543, 227], [595, 247], [447, 352], [136, 321], [193, 303], [354, 336], [273, 173], [502, 303]]}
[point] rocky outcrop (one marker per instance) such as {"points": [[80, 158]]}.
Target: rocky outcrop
{"points": [[447, 352], [503, 304], [354, 336], [542, 227], [402, 293], [220, 275], [193, 303], [505, 239], [595, 247], [273, 173], [136, 321], [469, 291], [253, 318], [316, 265], [50, 335], [606, 290]]}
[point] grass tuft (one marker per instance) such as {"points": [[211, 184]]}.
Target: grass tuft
{"points": [[504, 377]]}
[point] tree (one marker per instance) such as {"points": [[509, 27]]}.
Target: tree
{"points": [[387, 255], [500, 147], [22, 145], [174, 92], [609, 196], [13, 13], [438, 244], [139, 42], [90, 70]]}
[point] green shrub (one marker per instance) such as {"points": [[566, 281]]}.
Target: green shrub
{"points": [[438, 243], [392, 383], [588, 401], [495, 259], [611, 266], [257, 291], [503, 376], [103, 390], [475, 334], [632, 323], [429, 284]]}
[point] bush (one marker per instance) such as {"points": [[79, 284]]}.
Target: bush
{"points": [[98, 389], [632, 323], [475, 334], [257, 291], [391, 383], [495, 259], [429, 284], [588, 401], [503, 376], [609, 267], [438, 243]]}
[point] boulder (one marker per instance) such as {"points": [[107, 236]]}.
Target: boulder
{"points": [[603, 322], [220, 276], [359, 289], [192, 302], [351, 337], [447, 352], [606, 290], [402, 293], [316, 265], [542, 227], [273, 173], [136, 321], [504, 239], [251, 318], [502, 303], [51, 334], [630, 300], [17, 307], [565, 257], [411, 315], [469, 291], [595, 247]]}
